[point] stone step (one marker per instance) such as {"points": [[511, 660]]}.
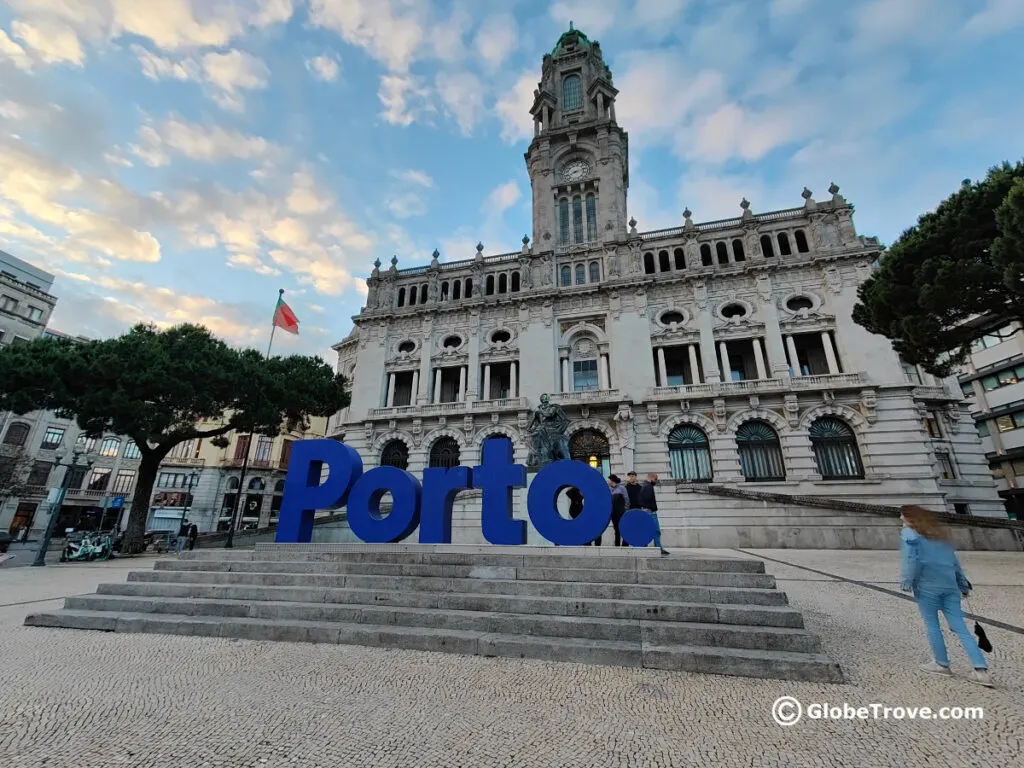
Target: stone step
{"points": [[752, 663], [546, 557], [673, 593], [528, 573], [652, 610], [657, 632]]}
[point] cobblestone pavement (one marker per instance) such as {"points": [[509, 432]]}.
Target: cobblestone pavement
{"points": [[93, 699]]}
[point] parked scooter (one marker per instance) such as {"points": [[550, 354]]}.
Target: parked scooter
{"points": [[92, 546]]}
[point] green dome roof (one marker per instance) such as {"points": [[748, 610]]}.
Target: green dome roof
{"points": [[572, 36]]}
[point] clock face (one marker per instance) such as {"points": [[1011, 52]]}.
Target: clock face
{"points": [[575, 170]]}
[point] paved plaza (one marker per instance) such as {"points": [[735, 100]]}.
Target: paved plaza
{"points": [[70, 698]]}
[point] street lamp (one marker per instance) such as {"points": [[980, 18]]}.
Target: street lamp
{"points": [[193, 478], [56, 506]]}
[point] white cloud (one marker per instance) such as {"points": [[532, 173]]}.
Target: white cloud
{"points": [[462, 94], [406, 205], [997, 17], [665, 78], [51, 42], [252, 264], [412, 176], [513, 109], [231, 72], [594, 17], [503, 197], [209, 143], [13, 52], [391, 31], [324, 67], [157, 67], [403, 98], [496, 39]]}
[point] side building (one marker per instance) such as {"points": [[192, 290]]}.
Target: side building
{"points": [[720, 351]]}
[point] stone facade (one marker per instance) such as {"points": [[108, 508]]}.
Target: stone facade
{"points": [[702, 336]]}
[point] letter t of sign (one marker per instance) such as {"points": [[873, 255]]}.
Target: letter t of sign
{"points": [[496, 477]]}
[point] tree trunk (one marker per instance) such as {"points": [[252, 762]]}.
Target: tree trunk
{"points": [[133, 533]]}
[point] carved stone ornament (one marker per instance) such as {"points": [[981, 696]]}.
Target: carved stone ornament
{"points": [[585, 411], [953, 417], [442, 421], [868, 404], [624, 426], [652, 416], [612, 260], [368, 431], [764, 287], [467, 425], [755, 401], [700, 294], [417, 432], [392, 425], [834, 279], [792, 407], [495, 418], [719, 413], [828, 397]]}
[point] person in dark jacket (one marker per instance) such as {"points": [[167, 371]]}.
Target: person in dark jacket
{"points": [[632, 491], [620, 501], [193, 535], [649, 504]]}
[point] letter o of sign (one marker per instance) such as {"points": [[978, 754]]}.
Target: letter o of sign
{"points": [[543, 495], [364, 516]]}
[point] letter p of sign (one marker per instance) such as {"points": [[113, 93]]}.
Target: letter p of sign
{"points": [[305, 493]]}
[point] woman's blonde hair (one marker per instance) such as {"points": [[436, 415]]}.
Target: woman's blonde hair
{"points": [[923, 521]]}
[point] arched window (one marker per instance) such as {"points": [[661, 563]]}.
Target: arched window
{"points": [[456, 290], [784, 249], [722, 251], [738, 254], [689, 453], [835, 449], [17, 434], [591, 447], [766, 246], [563, 222], [503, 283], [515, 282], [577, 220], [469, 288], [595, 272], [591, 218], [111, 446], [276, 499], [572, 98], [489, 290], [395, 454], [279, 486], [584, 362], [233, 484], [444, 453], [566, 278], [801, 241], [423, 294], [495, 437], [663, 263], [760, 452], [679, 258], [581, 274], [401, 297], [412, 296], [444, 291], [649, 264], [705, 256], [257, 484]]}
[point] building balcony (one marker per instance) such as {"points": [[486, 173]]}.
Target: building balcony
{"points": [[760, 386], [586, 396], [235, 462], [449, 409], [935, 393], [172, 461]]}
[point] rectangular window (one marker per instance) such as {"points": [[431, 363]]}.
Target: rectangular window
{"points": [[53, 438], [286, 453], [131, 450], [110, 446], [1018, 467], [962, 509], [76, 479], [1005, 423], [171, 480], [40, 474], [1007, 377], [563, 222], [99, 478], [584, 375], [124, 481], [591, 218], [988, 383], [912, 372], [35, 314], [8, 303], [968, 389], [946, 471], [1018, 419], [931, 425], [241, 447], [983, 430], [577, 220], [85, 444], [263, 448]]}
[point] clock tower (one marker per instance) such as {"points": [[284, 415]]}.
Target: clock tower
{"points": [[578, 160]]}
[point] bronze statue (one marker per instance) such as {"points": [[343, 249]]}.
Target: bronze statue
{"points": [[546, 430]]}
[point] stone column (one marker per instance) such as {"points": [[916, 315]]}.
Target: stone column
{"points": [[662, 369], [427, 346], [486, 394], [694, 367], [462, 383], [723, 353], [707, 348], [773, 339], [794, 361], [759, 359], [415, 386], [602, 372], [566, 384], [473, 384], [391, 390], [513, 384], [830, 352], [437, 386]]}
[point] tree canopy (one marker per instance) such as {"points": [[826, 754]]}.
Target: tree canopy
{"points": [[960, 263], [159, 386]]}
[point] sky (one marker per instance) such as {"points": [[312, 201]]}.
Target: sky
{"points": [[182, 160]]}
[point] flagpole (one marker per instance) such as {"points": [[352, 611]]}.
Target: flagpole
{"points": [[229, 544]]}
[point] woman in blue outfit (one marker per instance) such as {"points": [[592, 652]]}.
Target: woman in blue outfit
{"points": [[929, 568]]}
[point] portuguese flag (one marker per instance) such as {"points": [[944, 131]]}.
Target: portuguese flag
{"points": [[284, 318]]}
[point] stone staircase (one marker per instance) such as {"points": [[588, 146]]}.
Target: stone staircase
{"points": [[619, 607]]}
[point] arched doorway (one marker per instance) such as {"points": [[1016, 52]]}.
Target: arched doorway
{"points": [[591, 447]]}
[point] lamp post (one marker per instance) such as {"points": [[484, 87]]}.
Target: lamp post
{"points": [[193, 478], [44, 545]]}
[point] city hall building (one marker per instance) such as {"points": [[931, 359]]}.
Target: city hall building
{"points": [[718, 352]]}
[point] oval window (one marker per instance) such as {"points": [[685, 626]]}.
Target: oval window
{"points": [[501, 337], [407, 346], [453, 342], [797, 303], [672, 317], [734, 310]]}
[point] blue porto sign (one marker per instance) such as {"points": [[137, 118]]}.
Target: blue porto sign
{"points": [[428, 505]]}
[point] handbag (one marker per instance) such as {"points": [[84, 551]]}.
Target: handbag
{"points": [[983, 642]]}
